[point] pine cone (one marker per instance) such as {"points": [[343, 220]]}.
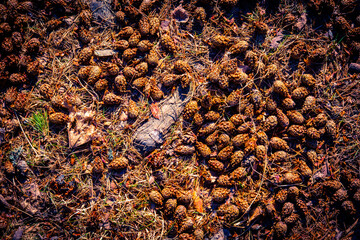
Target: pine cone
{"points": [[207, 129], [121, 45], [260, 152], [216, 165], [236, 158], [297, 131], [283, 120], [98, 165], [270, 123], [229, 211], [144, 26], [170, 206], [129, 53], [226, 126], [185, 150], [299, 93], [330, 128], [168, 43], [237, 119], [119, 163], [220, 194], [281, 196], [180, 212], [94, 74], [190, 109], [111, 99], [120, 83], [212, 116], [182, 66], [220, 41], [280, 88], [308, 80], [288, 103], [239, 47], [168, 192], [85, 55], [279, 156], [144, 46], [101, 85], [156, 197], [169, 80], [295, 117], [238, 174], [313, 133], [154, 25], [240, 140], [142, 68], [225, 153], [309, 103], [58, 118]]}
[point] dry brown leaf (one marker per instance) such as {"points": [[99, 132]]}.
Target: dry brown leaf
{"points": [[198, 203], [80, 127]]}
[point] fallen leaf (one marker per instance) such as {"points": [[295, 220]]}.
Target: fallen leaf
{"points": [[198, 203], [155, 110], [275, 42], [80, 127]]}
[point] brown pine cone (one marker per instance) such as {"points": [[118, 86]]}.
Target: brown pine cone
{"points": [[170, 206], [239, 47], [212, 116], [156, 197], [111, 99], [240, 140], [281, 196], [278, 144], [308, 80], [238, 174], [220, 41], [280, 88], [85, 55], [297, 131], [180, 213], [237, 119], [216, 165], [296, 117], [168, 192], [168, 43], [58, 118], [129, 53], [119, 163], [203, 149], [229, 211], [288, 103], [226, 126], [279, 156], [94, 75], [220, 194], [182, 66], [283, 120], [121, 45], [299, 93], [225, 153], [309, 103], [130, 73], [270, 123], [237, 158], [154, 25], [190, 109]]}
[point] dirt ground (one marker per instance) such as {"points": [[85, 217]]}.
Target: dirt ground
{"points": [[193, 119]]}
